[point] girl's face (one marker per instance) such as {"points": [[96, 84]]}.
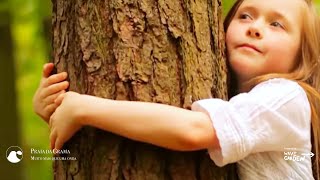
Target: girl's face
{"points": [[264, 37]]}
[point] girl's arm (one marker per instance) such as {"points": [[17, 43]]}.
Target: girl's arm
{"points": [[158, 124]]}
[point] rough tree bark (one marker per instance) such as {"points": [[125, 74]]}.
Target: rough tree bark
{"points": [[164, 51]]}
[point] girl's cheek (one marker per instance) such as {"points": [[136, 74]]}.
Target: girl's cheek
{"points": [[234, 31], [229, 39]]}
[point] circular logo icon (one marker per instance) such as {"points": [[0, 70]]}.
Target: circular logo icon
{"points": [[14, 154]]}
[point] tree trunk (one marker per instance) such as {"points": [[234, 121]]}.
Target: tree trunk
{"points": [[164, 51]]}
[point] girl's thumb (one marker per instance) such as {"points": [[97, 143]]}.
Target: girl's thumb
{"points": [[47, 68]]}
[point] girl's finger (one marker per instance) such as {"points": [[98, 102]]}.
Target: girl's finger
{"points": [[47, 68], [56, 78], [49, 109], [54, 88], [59, 99], [53, 137], [51, 121], [58, 144], [51, 99]]}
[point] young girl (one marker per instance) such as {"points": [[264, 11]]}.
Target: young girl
{"points": [[273, 51]]}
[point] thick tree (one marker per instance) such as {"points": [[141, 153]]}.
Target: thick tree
{"points": [[163, 51]]}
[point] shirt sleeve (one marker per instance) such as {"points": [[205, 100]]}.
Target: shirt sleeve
{"points": [[272, 116]]}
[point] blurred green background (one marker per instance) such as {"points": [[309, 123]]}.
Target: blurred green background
{"points": [[29, 24]]}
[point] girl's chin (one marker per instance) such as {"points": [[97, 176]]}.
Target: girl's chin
{"points": [[242, 67]]}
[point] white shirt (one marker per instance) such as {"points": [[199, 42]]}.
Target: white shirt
{"points": [[255, 128]]}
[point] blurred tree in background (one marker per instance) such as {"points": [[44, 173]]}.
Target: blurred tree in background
{"points": [[30, 51], [10, 126], [30, 25]]}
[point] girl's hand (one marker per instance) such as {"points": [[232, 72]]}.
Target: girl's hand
{"points": [[49, 89], [63, 122]]}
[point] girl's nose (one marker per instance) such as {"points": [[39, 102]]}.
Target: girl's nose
{"points": [[254, 32]]}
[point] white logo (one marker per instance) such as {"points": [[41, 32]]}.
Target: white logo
{"points": [[295, 154], [307, 154], [14, 154]]}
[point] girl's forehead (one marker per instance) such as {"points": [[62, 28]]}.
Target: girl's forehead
{"points": [[293, 6]]}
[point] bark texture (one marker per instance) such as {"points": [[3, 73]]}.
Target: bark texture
{"points": [[164, 51]]}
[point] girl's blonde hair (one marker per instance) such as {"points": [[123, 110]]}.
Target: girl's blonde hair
{"points": [[306, 71]]}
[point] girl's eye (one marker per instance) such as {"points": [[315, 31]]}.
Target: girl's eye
{"points": [[245, 16], [277, 24]]}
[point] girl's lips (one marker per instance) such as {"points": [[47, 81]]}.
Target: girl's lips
{"points": [[249, 46]]}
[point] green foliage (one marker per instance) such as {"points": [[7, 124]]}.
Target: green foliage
{"points": [[226, 5]]}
